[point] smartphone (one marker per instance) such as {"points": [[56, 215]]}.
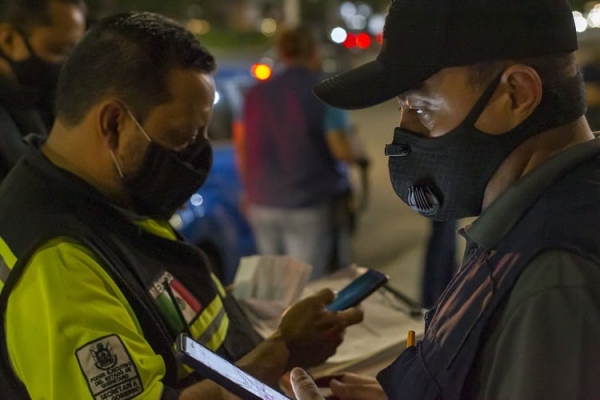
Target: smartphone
{"points": [[224, 373], [358, 290]]}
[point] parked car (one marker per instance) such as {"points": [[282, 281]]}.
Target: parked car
{"points": [[212, 218]]}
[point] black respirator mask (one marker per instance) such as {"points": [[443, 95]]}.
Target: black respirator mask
{"points": [[444, 178], [166, 179]]}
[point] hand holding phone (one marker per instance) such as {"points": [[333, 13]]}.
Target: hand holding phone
{"points": [[223, 372], [358, 290]]}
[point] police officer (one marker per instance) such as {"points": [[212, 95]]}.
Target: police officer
{"points": [[95, 284]]}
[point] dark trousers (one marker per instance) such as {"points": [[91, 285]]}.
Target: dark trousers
{"points": [[440, 263]]}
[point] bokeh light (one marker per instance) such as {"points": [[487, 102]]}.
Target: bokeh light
{"points": [[198, 26], [363, 40], [338, 35], [350, 41], [268, 26], [581, 23], [262, 72]]}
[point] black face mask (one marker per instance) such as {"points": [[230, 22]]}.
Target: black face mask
{"points": [[444, 178], [38, 78], [167, 179]]}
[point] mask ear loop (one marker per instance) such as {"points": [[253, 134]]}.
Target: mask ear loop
{"points": [[116, 164], [483, 101], [400, 102], [138, 125], [112, 154]]}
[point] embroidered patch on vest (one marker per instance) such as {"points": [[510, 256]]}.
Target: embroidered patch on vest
{"points": [[108, 369], [175, 301]]}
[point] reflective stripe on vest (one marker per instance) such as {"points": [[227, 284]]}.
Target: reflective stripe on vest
{"points": [[211, 326], [7, 261]]}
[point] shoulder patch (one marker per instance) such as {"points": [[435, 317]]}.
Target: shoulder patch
{"points": [[108, 369]]}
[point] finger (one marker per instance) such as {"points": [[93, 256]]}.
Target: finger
{"points": [[325, 296], [303, 385], [351, 316], [349, 377], [339, 320], [356, 391], [372, 391]]}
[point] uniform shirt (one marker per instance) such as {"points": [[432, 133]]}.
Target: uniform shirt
{"points": [[76, 302]]}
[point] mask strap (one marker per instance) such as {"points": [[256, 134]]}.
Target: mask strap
{"points": [[483, 101], [139, 126], [116, 164], [401, 116], [402, 104]]}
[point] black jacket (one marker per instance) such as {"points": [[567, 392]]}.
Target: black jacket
{"points": [[18, 118], [559, 210]]}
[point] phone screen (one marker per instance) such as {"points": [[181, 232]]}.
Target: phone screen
{"points": [[358, 290], [223, 372]]}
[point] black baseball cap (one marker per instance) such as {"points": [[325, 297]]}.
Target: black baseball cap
{"points": [[420, 37]]}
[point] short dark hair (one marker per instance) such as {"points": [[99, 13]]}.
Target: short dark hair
{"points": [[25, 14], [296, 43], [129, 56]]}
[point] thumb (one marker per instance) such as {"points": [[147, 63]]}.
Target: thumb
{"points": [[303, 385]]}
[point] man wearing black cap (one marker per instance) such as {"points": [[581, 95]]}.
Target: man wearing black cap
{"points": [[492, 125]]}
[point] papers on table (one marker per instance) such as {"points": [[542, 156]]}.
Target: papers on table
{"points": [[267, 285]]}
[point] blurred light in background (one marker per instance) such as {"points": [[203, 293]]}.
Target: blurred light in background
{"points": [[338, 35], [361, 27], [262, 72], [347, 10], [376, 23], [357, 22], [176, 221], [196, 200], [593, 18], [350, 41], [581, 23], [217, 98], [268, 26], [198, 26], [363, 40], [364, 9]]}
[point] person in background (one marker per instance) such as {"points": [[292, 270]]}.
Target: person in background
{"points": [[35, 38], [95, 285], [492, 125], [292, 158]]}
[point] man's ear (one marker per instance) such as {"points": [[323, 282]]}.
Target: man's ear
{"points": [[525, 89], [111, 119], [11, 42]]}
